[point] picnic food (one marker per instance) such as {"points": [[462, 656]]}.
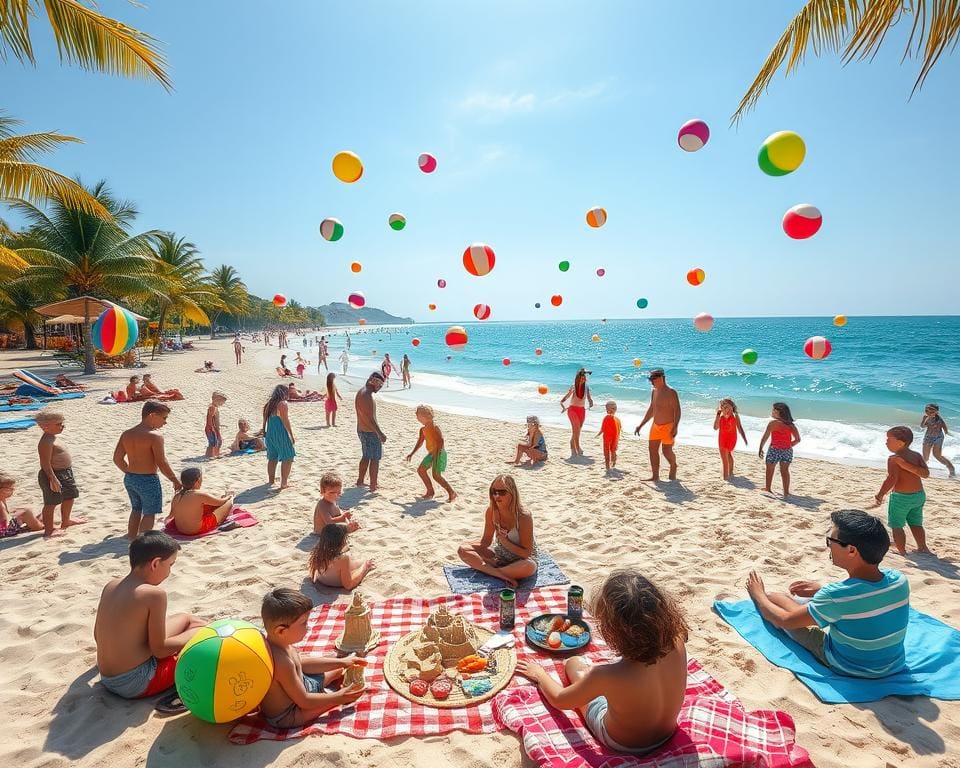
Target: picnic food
{"points": [[354, 674], [469, 664], [441, 687], [553, 640], [419, 687], [576, 630], [358, 635]]}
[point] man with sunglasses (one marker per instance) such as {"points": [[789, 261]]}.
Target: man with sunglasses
{"points": [[855, 626], [665, 411]]}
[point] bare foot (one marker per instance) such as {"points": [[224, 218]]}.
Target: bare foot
{"points": [[53, 535], [284, 486], [512, 583], [452, 496], [902, 552], [653, 479], [673, 474], [513, 463], [372, 489], [360, 482], [924, 551], [428, 495], [72, 521], [271, 481]]}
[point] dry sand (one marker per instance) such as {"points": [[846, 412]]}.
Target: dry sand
{"points": [[699, 538]]}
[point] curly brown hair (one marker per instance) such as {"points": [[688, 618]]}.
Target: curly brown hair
{"points": [[330, 543], [637, 620]]}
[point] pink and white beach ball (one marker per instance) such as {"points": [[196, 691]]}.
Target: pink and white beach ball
{"points": [[478, 259], [817, 347], [693, 135], [802, 221], [356, 299], [703, 322], [481, 311], [427, 162]]}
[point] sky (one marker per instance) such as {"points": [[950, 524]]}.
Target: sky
{"points": [[536, 111]]}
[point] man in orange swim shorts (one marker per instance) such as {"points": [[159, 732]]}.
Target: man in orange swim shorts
{"points": [[665, 411]]}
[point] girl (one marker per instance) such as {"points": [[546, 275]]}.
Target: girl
{"points": [[578, 393], [933, 439], [301, 365], [330, 406], [17, 520], [330, 565], [278, 435], [405, 371], [727, 423], [783, 436], [534, 445], [282, 369], [385, 368], [630, 705], [195, 512]]}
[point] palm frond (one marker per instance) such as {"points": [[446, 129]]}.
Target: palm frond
{"points": [[28, 146], [15, 29], [28, 181], [11, 259]]}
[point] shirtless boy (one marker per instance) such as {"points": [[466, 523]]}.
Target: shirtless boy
{"points": [[212, 426], [904, 472], [195, 512], [137, 643], [139, 455], [369, 432], [55, 477], [665, 411], [327, 510]]}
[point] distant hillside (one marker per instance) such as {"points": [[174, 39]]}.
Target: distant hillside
{"points": [[339, 313]]}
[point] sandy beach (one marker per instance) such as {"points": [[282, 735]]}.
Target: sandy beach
{"points": [[699, 538]]}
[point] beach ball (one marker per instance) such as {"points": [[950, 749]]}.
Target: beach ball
{"points": [[781, 153], [642, 303], [356, 299], [115, 331], [543, 389], [441, 283], [538, 351], [362, 321], [279, 300], [431, 307], [427, 162], [224, 671], [415, 342], [749, 356], [556, 300], [481, 311], [693, 135], [840, 321], [696, 276], [595, 338], [597, 217], [506, 361], [356, 266], [331, 229], [479, 259], [347, 167], [601, 272], [817, 347], [563, 266], [456, 337], [537, 305], [637, 362], [703, 322], [802, 221], [397, 221]]}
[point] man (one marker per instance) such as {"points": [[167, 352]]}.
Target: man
{"points": [[866, 614], [664, 409], [369, 432], [238, 348]]}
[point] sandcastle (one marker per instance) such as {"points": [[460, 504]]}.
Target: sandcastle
{"points": [[442, 643], [358, 635], [353, 675]]}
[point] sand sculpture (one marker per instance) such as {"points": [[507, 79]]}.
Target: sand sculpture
{"points": [[358, 635], [444, 640]]}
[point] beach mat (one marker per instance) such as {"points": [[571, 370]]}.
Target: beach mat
{"points": [[63, 396], [465, 581], [238, 518], [21, 407], [17, 424], [932, 651]]}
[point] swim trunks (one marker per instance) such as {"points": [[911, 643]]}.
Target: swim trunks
{"points": [[247, 445], [145, 492], [814, 640], [313, 684], [441, 465], [68, 487], [905, 509], [662, 432], [213, 438], [595, 716], [936, 439], [778, 455], [370, 446], [147, 679], [577, 415]]}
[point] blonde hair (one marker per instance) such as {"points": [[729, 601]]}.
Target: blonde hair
{"points": [[516, 508], [610, 405], [217, 393], [425, 409], [48, 417], [7, 481], [330, 480], [533, 420]]}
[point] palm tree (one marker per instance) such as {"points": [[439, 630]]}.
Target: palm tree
{"points": [[230, 295], [185, 286], [856, 28], [78, 254], [17, 303]]}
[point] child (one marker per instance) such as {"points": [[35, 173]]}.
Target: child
{"points": [[195, 512], [17, 520], [330, 564], [533, 445], [610, 428], [245, 439], [55, 477], [727, 423], [297, 693], [933, 439], [330, 406], [632, 704], [137, 643], [436, 457], [783, 435], [327, 511], [301, 365], [212, 427], [405, 371], [904, 470], [344, 361]]}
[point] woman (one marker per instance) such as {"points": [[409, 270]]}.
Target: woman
{"points": [[578, 393], [282, 369], [533, 446], [509, 529], [278, 435]]}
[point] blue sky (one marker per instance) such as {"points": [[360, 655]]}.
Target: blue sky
{"points": [[536, 111]]}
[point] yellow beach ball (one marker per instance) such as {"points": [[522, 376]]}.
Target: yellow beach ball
{"points": [[347, 167], [595, 338], [637, 362], [840, 321]]}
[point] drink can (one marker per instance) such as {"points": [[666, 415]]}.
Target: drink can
{"points": [[575, 602], [508, 609]]}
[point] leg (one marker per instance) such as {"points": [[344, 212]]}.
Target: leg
{"points": [[926, 451], [374, 472], [613, 457], [516, 460], [364, 463], [769, 470], [671, 460], [183, 624], [575, 441], [785, 477], [285, 467], [482, 559], [223, 510], [422, 471], [519, 570], [938, 455], [47, 514], [451, 494], [900, 540], [30, 520], [654, 449], [920, 536], [146, 523], [729, 463], [272, 470], [65, 520], [133, 524]]}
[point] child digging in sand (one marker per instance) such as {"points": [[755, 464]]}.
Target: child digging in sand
{"points": [[436, 458], [17, 520], [298, 692], [610, 428], [904, 472], [57, 484], [212, 426], [327, 511], [632, 704], [329, 562]]}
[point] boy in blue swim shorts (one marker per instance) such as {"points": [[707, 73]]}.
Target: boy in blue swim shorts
{"points": [[904, 472]]}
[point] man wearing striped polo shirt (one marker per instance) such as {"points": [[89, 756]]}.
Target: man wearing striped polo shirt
{"points": [[855, 626]]}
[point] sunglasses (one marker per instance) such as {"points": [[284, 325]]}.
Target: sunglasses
{"points": [[836, 541], [499, 491]]}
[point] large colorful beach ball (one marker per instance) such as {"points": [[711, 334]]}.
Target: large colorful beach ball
{"points": [[802, 221], [427, 162], [749, 356], [556, 300], [642, 303], [840, 321], [331, 229], [397, 221], [115, 331], [356, 266], [356, 299], [279, 300], [817, 347], [703, 322], [481, 311], [347, 167], [696, 276], [597, 217], [478, 259], [781, 153], [563, 266], [456, 337], [224, 671], [693, 135]]}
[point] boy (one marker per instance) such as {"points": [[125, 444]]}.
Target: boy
{"points": [[665, 411], [137, 643], [436, 457], [17, 520], [327, 511], [610, 428], [904, 470], [212, 426], [55, 477], [139, 455], [298, 692]]}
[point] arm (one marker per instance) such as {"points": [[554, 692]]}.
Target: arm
{"points": [[742, 433], [677, 412], [784, 618], [716, 421], [893, 474], [646, 417], [292, 684], [573, 696], [923, 421], [351, 573], [589, 397], [766, 436], [920, 470], [119, 456], [796, 435], [944, 425], [488, 528], [161, 461], [564, 399], [525, 548], [284, 413], [45, 448], [440, 443], [417, 446]]}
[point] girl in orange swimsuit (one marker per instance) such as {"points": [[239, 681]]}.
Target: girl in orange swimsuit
{"points": [[727, 423]]}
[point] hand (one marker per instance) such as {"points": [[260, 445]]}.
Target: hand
{"points": [[349, 660], [877, 501], [293, 440], [673, 432], [409, 456], [351, 694], [637, 431], [531, 670], [563, 408], [383, 438], [55, 484], [755, 586], [804, 588], [369, 566], [760, 453], [177, 485]]}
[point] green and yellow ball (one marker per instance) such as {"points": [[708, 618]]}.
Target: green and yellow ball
{"points": [[781, 153]]}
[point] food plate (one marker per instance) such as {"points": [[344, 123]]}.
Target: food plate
{"points": [[569, 643]]}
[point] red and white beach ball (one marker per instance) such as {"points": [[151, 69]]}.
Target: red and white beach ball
{"points": [[703, 322], [456, 337], [279, 300], [481, 311], [693, 135], [356, 299], [427, 162], [479, 259], [802, 221], [817, 347], [597, 217]]}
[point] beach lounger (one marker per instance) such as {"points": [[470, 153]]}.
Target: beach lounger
{"points": [[38, 384]]}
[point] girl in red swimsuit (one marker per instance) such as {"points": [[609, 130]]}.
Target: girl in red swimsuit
{"points": [[578, 394], [727, 423]]}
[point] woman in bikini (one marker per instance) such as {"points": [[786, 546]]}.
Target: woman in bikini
{"points": [[534, 446], [576, 412]]}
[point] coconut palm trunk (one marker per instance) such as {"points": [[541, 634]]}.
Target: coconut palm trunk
{"points": [[156, 343], [89, 361]]}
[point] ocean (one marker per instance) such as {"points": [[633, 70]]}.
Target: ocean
{"points": [[881, 372]]}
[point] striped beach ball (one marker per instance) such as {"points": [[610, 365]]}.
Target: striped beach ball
{"points": [[397, 221], [456, 337], [481, 311], [356, 299], [347, 167], [427, 162], [802, 221], [279, 300], [781, 153], [693, 135], [703, 322], [331, 229], [597, 217], [115, 331], [478, 259], [696, 276], [224, 671], [817, 347]]}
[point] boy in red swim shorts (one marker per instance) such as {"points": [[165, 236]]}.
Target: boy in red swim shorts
{"points": [[610, 428], [664, 409]]}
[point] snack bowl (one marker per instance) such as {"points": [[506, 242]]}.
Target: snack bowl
{"points": [[569, 643]]}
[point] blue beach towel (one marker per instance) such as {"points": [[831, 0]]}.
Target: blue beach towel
{"points": [[28, 390], [466, 581], [932, 649], [64, 396], [18, 424], [21, 407]]}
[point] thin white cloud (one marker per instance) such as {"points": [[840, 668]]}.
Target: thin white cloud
{"points": [[493, 104]]}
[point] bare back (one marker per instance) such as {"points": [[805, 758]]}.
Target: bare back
{"points": [[143, 449], [906, 482], [121, 627]]}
